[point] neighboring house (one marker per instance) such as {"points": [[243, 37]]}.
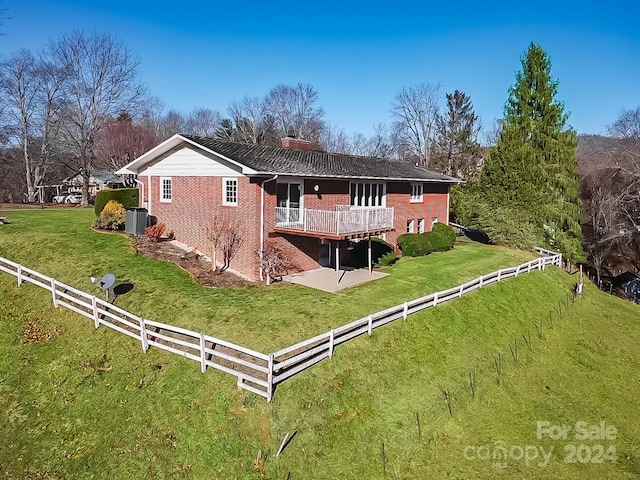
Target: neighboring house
{"points": [[629, 284], [98, 180], [309, 203]]}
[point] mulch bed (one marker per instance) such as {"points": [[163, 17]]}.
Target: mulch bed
{"points": [[192, 262]]}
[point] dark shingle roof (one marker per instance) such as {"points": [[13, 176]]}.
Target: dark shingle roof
{"points": [[285, 161]]}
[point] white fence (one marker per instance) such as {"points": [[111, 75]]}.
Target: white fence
{"points": [[252, 368], [297, 358], [256, 372]]}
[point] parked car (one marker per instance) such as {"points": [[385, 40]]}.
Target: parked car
{"points": [[68, 197]]}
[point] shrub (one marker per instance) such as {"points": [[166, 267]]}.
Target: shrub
{"points": [[446, 231], [414, 244], [127, 197], [112, 217], [155, 232], [387, 259], [438, 241]]}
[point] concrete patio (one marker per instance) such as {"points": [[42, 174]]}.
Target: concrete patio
{"points": [[328, 280]]}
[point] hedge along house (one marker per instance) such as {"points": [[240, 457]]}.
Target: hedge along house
{"points": [[310, 204]]}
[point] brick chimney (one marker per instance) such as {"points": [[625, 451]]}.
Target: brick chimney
{"points": [[299, 144]]}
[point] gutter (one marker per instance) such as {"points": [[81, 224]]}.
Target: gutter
{"points": [[261, 252]]}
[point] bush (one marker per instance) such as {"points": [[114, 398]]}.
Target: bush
{"points": [[387, 259], [414, 244], [155, 232], [437, 241], [446, 231], [127, 197], [112, 217]]}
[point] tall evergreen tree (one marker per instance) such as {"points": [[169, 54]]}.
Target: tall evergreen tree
{"points": [[531, 175], [457, 151]]}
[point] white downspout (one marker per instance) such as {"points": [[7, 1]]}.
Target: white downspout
{"points": [[142, 190], [149, 194], [262, 222]]}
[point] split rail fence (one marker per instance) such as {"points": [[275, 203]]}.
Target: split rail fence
{"points": [[257, 372]]}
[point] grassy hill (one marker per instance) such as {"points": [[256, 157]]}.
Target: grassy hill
{"points": [[85, 403]]}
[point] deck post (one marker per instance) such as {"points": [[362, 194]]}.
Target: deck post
{"points": [[337, 262], [370, 262]]}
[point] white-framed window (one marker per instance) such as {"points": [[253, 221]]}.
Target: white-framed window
{"points": [[410, 226], [434, 220], [416, 193], [421, 225], [230, 191], [166, 189], [367, 194]]}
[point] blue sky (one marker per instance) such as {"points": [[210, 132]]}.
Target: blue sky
{"points": [[357, 54]]}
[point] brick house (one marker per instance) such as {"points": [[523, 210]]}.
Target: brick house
{"points": [[308, 203]]}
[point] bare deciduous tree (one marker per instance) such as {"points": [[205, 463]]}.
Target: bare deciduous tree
{"points": [[19, 84], [203, 122], [101, 83], [295, 112], [120, 141], [251, 120], [414, 112], [274, 262], [225, 236], [334, 140]]}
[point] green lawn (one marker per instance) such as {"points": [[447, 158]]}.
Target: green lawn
{"points": [[88, 403], [59, 243]]}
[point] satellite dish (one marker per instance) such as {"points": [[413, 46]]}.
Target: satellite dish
{"points": [[107, 281]]}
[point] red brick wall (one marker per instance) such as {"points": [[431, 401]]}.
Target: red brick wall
{"points": [[194, 200], [434, 204]]}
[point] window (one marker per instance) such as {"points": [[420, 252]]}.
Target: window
{"points": [[421, 225], [416, 193], [230, 191], [367, 194], [165, 189], [434, 220], [410, 226]]}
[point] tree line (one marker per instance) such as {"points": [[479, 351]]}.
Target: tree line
{"points": [[78, 104]]}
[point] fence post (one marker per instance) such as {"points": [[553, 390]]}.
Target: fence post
{"points": [[461, 289], [370, 324], [500, 275], [481, 281], [270, 379], [53, 292], [96, 318], [19, 272], [435, 299], [405, 311], [203, 356], [517, 270], [143, 335], [331, 344]]}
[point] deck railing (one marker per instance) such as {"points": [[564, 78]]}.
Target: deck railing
{"points": [[342, 221]]}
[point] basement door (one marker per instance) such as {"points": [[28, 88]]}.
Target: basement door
{"points": [[325, 255]]}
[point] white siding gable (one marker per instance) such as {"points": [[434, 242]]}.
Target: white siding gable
{"points": [[189, 162]]}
